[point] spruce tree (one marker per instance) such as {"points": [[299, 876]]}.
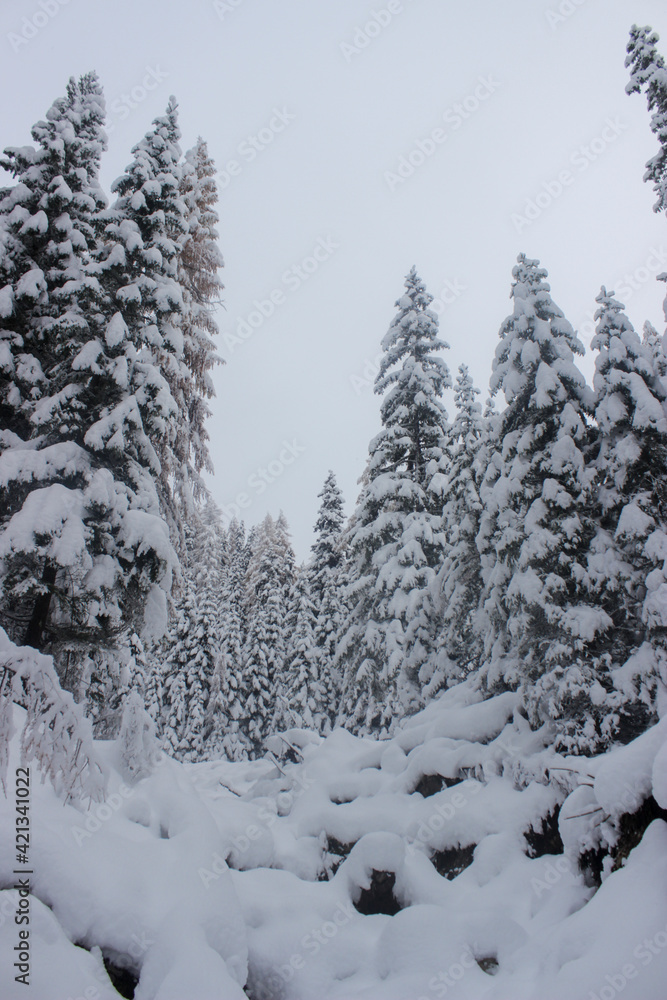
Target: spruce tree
{"points": [[84, 552], [655, 346], [300, 696], [648, 72], [264, 648], [222, 736], [232, 622], [199, 261], [628, 554], [327, 584], [459, 582], [286, 560], [395, 542], [194, 646], [145, 230], [539, 506]]}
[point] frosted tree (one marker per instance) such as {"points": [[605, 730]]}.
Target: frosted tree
{"points": [[194, 646], [137, 742], [286, 560], [327, 586], [215, 563], [198, 264], [326, 549], [140, 667], [648, 73], [55, 733], [264, 649], [394, 539], [232, 624], [104, 683], [222, 735], [308, 692], [145, 230], [174, 722], [458, 583], [655, 346], [185, 693], [629, 551], [44, 328], [300, 695], [541, 620], [205, 565], [84, 550]]}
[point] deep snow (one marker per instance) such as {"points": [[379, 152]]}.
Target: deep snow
{"points": [[143, 879]]}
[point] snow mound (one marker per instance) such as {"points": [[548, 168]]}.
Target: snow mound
{"points": [[461, 858]]}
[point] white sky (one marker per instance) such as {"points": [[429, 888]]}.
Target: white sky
{"points": [[296, 379]]}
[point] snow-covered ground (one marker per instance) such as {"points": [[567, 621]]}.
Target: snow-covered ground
{"points": [[457, 860]]}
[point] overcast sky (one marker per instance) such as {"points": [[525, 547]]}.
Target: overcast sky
{"points": [[354, 140]]}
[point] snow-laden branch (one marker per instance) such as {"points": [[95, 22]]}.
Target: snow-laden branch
{"points": [[55, 734]]}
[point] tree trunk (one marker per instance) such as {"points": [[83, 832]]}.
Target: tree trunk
{"points": [[34, 635]]}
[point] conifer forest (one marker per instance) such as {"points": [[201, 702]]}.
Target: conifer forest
{"points": [[422, 754]]}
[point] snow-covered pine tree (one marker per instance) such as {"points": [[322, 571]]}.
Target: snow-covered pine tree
{"points": [[173, 724], [222, 736], [194, 645], [458, 583], [655, 345], [154, 687], [648, 72], [300, 695], [264, 649], [43, 303], [232, 622], [188, 668], [395, 541], [145, 229], [542, 621], [137, 743], [84, 550], [140, 666], [226, 709], [286, 559], [327, 586], [198, 264], [630, 549]]}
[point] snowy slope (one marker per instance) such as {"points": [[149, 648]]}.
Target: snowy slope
{"points": [[402, 869]]}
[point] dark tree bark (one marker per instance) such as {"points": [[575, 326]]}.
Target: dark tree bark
{"points": [[34, 635]]}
